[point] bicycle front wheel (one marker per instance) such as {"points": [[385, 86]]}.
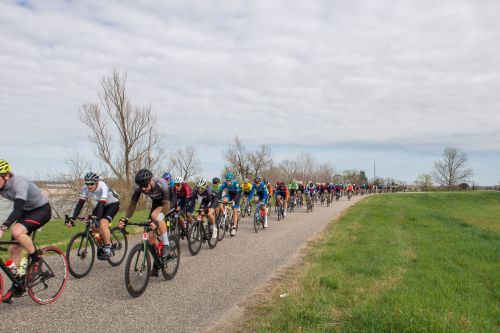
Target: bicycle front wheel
{"points": [[119, 246], [256, 221], [47, 278], [171, 264], [137, 270], [80, 255], [195, 238], [221, 226]]}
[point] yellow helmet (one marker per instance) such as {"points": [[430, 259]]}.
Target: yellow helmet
{"points": [[4, 167]]}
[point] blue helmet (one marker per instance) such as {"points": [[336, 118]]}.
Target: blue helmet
{"points": [[167, 176], [229, 176]]}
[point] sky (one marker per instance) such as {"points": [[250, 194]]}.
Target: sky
{"points": [[352, 82]]}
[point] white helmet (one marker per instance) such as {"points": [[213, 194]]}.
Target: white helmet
{"points": [[201, 183], [178, 180]]}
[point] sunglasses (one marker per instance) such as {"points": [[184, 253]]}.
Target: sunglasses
{"points": [[90, 184]]}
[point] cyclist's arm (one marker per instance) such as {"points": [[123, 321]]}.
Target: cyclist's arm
{"points": [[78, 208], [16, 213], [133, 202]]}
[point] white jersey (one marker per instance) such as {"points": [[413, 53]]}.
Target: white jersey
{"points": [[102, 193]]}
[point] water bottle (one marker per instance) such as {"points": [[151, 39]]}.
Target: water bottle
{"points": [[12, 266], [22, 266]]}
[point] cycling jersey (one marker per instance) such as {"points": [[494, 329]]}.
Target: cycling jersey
{"points": [[261, 190], [31, 207], [270, 189], [208, 198], [159, 193], [102, 193], [246, 187], [184, 192], [281, 190], [18, 187], [233, 191]]}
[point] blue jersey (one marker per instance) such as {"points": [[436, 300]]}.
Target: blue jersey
{"points": [[260, 190], [232, 189]]}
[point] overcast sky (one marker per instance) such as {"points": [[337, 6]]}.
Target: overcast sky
{"points": [[350, 81]]}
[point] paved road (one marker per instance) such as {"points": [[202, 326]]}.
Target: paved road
{"points": [[206, 287]]}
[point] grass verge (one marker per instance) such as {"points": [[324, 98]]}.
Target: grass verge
{"points": [[396, 263]]}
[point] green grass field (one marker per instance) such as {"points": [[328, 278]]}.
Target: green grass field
{"points": [[397, 263]]}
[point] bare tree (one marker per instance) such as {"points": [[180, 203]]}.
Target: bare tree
{"points": [[325, 173], [260, 159], [238, 158], [306, 166], [125, 136], [185, 163], [451, 170], [288, 169], [424, 181]]}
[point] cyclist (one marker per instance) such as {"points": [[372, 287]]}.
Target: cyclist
{"points": [[349, 189], [183, 192], [208, 202], [311, 191], [215, 189], [260, 190], [281, 194], [269, 192], [302, 190], [107, 205], [233, 190], [31, 211], [157, 189], [246, 187], [168, 177]]}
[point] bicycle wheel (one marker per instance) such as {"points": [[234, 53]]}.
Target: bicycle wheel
{"points": [[48, 283], [137, 270], [279, 212], [221, 225], [80, 254], [171, 264], [212, 242], [119, 246], [256, 221], [195, 238]]}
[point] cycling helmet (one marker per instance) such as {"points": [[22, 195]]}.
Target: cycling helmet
{"points": [[4, 167], [265, 180], [294, 181], [246, 180], [257, 179], [229, 176], [167, 176], [279, 182], [143, 176], [91, 177], [202, 183], [216, 180], [178, 180]]}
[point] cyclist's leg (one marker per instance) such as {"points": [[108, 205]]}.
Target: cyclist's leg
{"points": [[236, 207]]}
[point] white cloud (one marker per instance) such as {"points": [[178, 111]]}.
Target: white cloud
{"points": [[326, 71]]}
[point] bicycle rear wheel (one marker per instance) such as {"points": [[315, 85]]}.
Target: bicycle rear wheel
{"points": [[119, 246], [195, 238], [256, 221], [137, 270], [212, 242], [171, 264], [81, 259], [47, 283]]}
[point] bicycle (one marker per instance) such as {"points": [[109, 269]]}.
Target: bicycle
{"points": [[259, 217], [322, 199], [44, 284], [291, 204], [81, 260], [328, 200], [247, 207], [279, 208], [309, 204], [138, 264], [174, 225], [198, 234], [225, 218]]}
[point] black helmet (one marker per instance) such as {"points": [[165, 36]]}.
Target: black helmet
{"points": [[91, 177], [257, 179], [216, 180], [143, 176]]}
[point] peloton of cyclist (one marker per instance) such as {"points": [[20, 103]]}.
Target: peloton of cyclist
{"points": [[106, 207], [233, 190], [208, 202], [261, 193]]}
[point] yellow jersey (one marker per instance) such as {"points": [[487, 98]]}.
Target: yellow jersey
{"points": [[246, 187]]}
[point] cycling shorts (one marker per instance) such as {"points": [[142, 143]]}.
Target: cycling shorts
{"points": [[35, 218], [109, 211]]}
